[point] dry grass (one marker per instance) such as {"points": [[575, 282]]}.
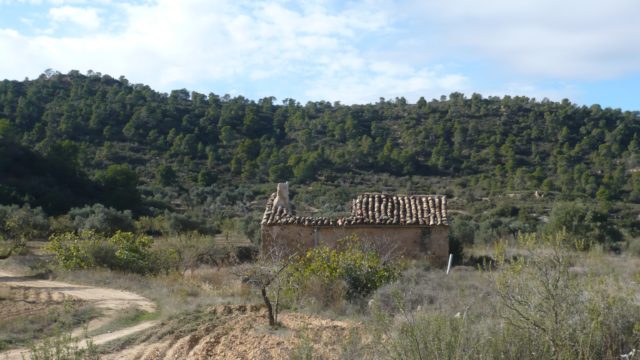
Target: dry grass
{"points": [[435, 292], [174, 292], [543, 302], [27, 315], [458, 316]]}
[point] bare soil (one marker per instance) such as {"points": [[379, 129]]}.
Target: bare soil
{"points": [[27, 295], [242, 332], [219, 332]]}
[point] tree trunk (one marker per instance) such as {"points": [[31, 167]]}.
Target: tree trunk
{"points": [[272, 320]]}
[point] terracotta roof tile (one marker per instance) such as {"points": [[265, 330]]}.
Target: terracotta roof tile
{"points": [[372, 209]]}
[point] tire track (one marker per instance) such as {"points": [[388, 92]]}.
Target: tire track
{"points": [[111, 301]]}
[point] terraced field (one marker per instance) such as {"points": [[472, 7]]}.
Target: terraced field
{"points": [[16, 302], [240, 332]]}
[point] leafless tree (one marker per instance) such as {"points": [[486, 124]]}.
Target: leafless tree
{"points": [[266, 274]]}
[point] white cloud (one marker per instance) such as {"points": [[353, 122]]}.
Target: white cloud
{"points": [[169, 43], [570, 39], [87, 18], [358, 80], [321, 47], [554, 92]]}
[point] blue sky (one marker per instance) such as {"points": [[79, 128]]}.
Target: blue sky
{"points": [[347, 51]]}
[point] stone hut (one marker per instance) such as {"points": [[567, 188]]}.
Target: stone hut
{"points": [[413, 226]]}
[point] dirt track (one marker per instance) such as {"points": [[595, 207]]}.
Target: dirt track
{"points": [[233, 331], [110, 301]]}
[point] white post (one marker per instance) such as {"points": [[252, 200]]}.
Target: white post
{"points": [[449, 265]]}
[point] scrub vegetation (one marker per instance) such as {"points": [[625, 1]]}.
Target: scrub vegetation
{"points": [[162, 194]]}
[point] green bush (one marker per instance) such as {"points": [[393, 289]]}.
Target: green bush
{"points": [[124, 251], [101, 219], [120, 182], [169, 223], [23, 222], [462, 230], [72, 251], [61, 224], [361, 271], [148, 225], [132, 252], [583, 223]]}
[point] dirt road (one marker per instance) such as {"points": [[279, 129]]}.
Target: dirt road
{"points": [[110, 301]]}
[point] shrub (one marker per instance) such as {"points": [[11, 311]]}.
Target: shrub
{"points": [[101, 219], [584, 223], [150, 225], [102, 254], [540, 308], [361, 271], [23, 222], [72, 251], [166, 175], [120, 182], [170, 223], [18, 225], [61, 224], [124, 251], [131, 252], [432, 336], [187, 251], [567, 316], [462, 230]]}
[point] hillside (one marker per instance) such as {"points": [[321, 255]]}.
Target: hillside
{"points": [[198, 158], [543, 198]]}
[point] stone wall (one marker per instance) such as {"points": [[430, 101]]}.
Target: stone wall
{"points": [[415, 242]]}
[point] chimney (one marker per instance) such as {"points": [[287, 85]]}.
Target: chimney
{"points": [[282, 197]]}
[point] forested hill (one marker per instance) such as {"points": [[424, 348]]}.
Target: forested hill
{"points": [[186, 150]]}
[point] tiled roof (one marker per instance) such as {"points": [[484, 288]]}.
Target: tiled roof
{"points": [[372, 209]]}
